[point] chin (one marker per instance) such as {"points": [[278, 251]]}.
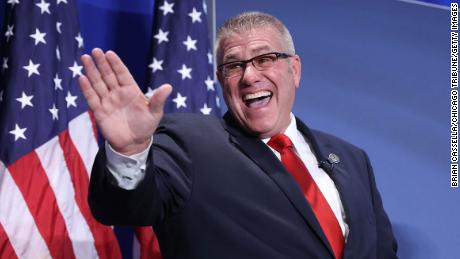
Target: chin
{"points": [[262, 129]]}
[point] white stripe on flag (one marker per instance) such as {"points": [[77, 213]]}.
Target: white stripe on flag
{"points": [[136, 248], [53, 162], [81, 132], [17, 221]]}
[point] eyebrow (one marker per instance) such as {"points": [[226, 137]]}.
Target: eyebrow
{"points": [[255, 52], [258, 51], [229, 58]]}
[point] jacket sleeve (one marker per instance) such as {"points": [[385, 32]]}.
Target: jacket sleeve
{"points": [[163, 191]]}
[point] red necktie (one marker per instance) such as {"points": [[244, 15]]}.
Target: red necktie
{"points": [[312, 193]]}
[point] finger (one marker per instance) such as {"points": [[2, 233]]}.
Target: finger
{"points": [[122, 73], [94, 76], [158, 98], [91, 96], [105, 69]]}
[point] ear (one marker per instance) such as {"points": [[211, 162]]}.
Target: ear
{"points": [[220, 77], [296, 66]]}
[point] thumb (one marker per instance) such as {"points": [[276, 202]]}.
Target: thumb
{"points": [[158, 98]]}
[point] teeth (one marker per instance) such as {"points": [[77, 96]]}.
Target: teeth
{"points": [[256, 95]]}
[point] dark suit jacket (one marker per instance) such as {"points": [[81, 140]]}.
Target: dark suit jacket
{"points": [[213, 191]]}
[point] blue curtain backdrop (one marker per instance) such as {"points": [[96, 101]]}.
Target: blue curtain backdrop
{"points": [[375, 73]]}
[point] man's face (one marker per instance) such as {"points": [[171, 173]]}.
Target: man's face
{"points": [[260, 101]]}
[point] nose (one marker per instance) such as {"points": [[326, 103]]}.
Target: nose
{"points": [[250, 74]]}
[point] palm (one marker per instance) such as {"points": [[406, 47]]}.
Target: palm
{"points": [[125, 116]]}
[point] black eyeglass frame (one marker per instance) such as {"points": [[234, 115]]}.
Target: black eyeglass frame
{"points": [[251, 60]]}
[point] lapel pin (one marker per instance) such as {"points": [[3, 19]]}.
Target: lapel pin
{"points": [[333, 158]]}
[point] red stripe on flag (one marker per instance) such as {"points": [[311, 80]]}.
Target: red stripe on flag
{"points": [[149, 246], [6, 249], [104, 237], [33, 183]]}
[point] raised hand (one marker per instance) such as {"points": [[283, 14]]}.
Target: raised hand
{"points": [[125, 116]]}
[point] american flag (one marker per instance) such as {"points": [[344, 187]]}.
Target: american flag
{"points": [[182, 56], [47, 138]]}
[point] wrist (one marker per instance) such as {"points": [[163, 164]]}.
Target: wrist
{"points": [[133, 148]]}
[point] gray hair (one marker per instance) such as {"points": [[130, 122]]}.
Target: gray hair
{"points": [[248, 21]]}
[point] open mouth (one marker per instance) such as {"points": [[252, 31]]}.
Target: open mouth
{"points": [[258, 99]]}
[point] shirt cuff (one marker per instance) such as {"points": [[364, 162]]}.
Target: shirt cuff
{"points": [[129, 171]]}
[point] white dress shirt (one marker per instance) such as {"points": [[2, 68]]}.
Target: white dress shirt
{"points": [[129, 171], [322, 179]]}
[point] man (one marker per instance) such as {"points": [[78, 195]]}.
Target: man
{"points": [[257, 184]]}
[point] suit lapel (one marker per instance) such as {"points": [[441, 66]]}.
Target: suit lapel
{"points": [[350, 191], [351, 195], [260, 154]]}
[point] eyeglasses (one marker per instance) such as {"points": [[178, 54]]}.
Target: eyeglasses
{"points": [[261, 62]]}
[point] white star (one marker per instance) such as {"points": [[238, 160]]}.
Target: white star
{"points": [[206, 110], [76, 69], [156, 65], [58, 27], [12, 2], [18, 132], [5, 63], [44, 7], [205, 7], [209, 84], [180, 101], [190, 43], [32, 68], [9, 32], [218, 101], [150, 92], [167, 8], [54, 112], [209, 57], [57, 82], [38, 37], [61, 1], [79, 39], [161, 36], [195, 15], [185, 72], [70, 100], [58, 53], [25, 100]]}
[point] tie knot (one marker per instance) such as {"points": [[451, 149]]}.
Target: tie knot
{"points": [[279, 142]]}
